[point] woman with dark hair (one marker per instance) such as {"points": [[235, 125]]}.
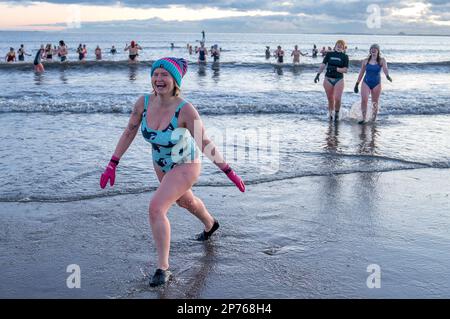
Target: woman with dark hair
{"points": [[62, 51], [371, 67]]}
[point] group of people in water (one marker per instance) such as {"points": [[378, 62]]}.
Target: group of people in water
{"points": [[336, 63], [202, 52], [47, 53], [172, 127], [279, 53]]}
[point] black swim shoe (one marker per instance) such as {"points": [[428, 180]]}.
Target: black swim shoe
{"points": [[160, 277], [205, 235]]}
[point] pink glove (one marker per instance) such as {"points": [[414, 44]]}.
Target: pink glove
{"points": [[109, 173], [234, 178]]}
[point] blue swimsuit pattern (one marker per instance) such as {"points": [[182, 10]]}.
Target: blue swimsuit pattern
{"points": [[171, 146]]}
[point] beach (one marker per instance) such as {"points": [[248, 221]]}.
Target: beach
{"points": [[309, 237], [327, 203]]}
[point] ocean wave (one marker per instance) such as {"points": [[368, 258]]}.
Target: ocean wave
{"points": [[301, 103], [121, 64], [255, 181]]}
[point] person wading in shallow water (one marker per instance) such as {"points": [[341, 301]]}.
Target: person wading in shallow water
{"points": [[167, 122]]}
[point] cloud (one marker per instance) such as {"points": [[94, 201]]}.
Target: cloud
{"points": [[428, 16]]}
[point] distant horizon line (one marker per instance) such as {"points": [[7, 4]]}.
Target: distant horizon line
{"points": [[309, 33]]}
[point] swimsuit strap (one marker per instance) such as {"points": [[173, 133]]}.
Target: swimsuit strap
{"points": [[146, 100], [175, 117]]}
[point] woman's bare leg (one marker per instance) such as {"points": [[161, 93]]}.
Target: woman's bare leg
{"points": [[365, 91], [173, 185], [329, 90], [376, 92]]}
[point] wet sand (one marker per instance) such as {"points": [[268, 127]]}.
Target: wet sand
{"points": [[309, 237]]}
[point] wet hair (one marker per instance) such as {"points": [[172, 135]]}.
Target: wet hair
{"points": [[376, 46], [61, 43], [342, 43], [11, 49]]}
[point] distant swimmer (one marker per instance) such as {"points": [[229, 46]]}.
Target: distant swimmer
{"points": [[203, 36], [172, 46], [113, 50], [267, 52], [21, 53], [202, 53], [336, 63], [38, 67], [133, 51], [371, 67], [315, 51], [279, 54], [215, 52], [80, 52], [190, 50], [11, 56], [296, 54], [323, 52], [85, 52], [48, 53], [62, 51], [98, 53]]}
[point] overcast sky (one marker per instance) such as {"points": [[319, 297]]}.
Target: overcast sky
{"points": [[284, 16]]}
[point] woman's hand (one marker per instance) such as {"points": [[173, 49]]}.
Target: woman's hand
{"points": [[110, 173], [236, 179]]}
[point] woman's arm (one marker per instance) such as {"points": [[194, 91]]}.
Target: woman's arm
{"points": [[385, 69], [195, 126], [192, 121], [130, 131], [362, 71]]}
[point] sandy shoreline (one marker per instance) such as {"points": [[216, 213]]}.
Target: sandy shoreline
{"points": [[310, 237]]}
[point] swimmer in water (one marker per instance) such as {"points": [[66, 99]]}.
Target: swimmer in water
{"points": [[133, 50], [315, 51], [38, 67], [202, 53], [113, 50], [98, 53], [11, 56], [267, 52], [174, 129], [336, 63], [296, 54], [215, 53], [370, 69], [21, 53], [62, 51], [279, 54]]}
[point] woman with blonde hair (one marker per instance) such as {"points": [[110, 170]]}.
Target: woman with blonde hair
{"points": [[336, 63], [168, 123]]}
